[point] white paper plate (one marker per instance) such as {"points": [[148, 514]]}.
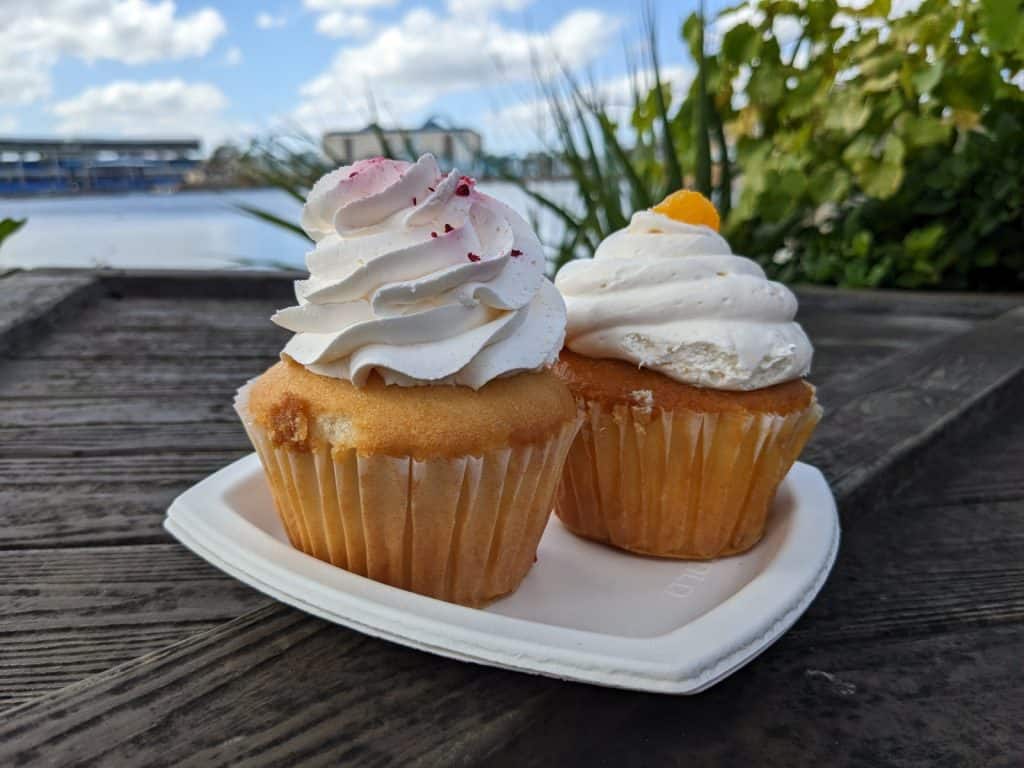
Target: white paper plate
{"points": [[585, 612]]}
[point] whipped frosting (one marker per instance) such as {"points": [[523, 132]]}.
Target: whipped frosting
{"points": [[420, 277], [672, 297]]}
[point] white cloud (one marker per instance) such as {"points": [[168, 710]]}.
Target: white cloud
{"points": [[233, 56], [36, 33], [342, 24], [476, 7], [167, 107], [517, 127], [424, 56], [266, 20], [8, 123], [335, 5]]}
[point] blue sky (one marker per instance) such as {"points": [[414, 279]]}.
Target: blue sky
{"points": [[229, 68]]}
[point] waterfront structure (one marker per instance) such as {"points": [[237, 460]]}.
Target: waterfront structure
{"points": [[453, 147], [68, 166]]}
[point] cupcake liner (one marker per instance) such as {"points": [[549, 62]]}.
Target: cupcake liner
{"points": [[462, 529], [682, 483]]}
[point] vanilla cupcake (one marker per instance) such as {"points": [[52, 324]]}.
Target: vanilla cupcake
{"points": [[689, 366], [413, 431]]}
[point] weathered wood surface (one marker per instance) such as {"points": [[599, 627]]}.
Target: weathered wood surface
{"points": [[118, 647]]}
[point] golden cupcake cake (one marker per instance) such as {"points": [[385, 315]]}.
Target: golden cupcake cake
{"points": [[413, 431], [689, 367]]}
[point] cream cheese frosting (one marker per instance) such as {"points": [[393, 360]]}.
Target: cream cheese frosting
{"points": [[420, 277], [672, 296]]}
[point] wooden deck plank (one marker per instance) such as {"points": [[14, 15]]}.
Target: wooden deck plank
{"points": [[73, 612], [115, 378], [130, 469], [284, 687], [30, 304], [913, 643], [878, 426], [91, 426], [66, 441], [106, 412], [84, 514], [35, 664]]}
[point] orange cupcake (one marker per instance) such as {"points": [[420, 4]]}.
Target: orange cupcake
{"points": [[689, 367]]}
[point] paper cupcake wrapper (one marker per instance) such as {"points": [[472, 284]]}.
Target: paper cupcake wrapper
{"points": [[680, 483], [464, 529]]}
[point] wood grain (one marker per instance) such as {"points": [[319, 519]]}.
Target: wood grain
{"points": [[878, 426], [911, 650], [350, 716], [83, 514], [117, 647], [77, 611], [154, 377], [74, 440], [31, 303]]}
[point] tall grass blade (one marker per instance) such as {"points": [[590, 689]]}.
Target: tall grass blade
{"points": [[271, 218], [8, 227], [673, 171], [606, 188], [724, 200], [639, 195], [702, 133]]}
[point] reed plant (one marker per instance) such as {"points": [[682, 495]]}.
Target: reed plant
{"points": [[8, 227]]}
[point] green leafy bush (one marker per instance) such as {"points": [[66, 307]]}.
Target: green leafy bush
{"points": [[877, 151], [866, 151]]}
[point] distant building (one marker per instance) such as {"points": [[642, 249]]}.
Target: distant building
{"points": [[64, 166], [453, 147]]}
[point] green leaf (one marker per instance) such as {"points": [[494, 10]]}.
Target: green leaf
{"points": [[878, 8], [740, 44], [882, 84], [860, 245], [847, 112], [767, 85], [691, 33], [881, 66], [923, 241], [8, 227], [1002, 21], [926, 79], [828, 183], [819, 17], [918, 132], [968, 84], [882, 179]]}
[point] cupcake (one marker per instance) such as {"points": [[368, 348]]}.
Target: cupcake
{"points": [[413, 431], [689, 367]]}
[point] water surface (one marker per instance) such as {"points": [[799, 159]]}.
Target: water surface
{"points": [[188, 230]]}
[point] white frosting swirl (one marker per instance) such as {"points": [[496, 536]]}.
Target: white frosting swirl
{"points": [[419, 277], [672, 297]]}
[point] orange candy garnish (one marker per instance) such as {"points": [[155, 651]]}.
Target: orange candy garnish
{"points": [[689, 207]]}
